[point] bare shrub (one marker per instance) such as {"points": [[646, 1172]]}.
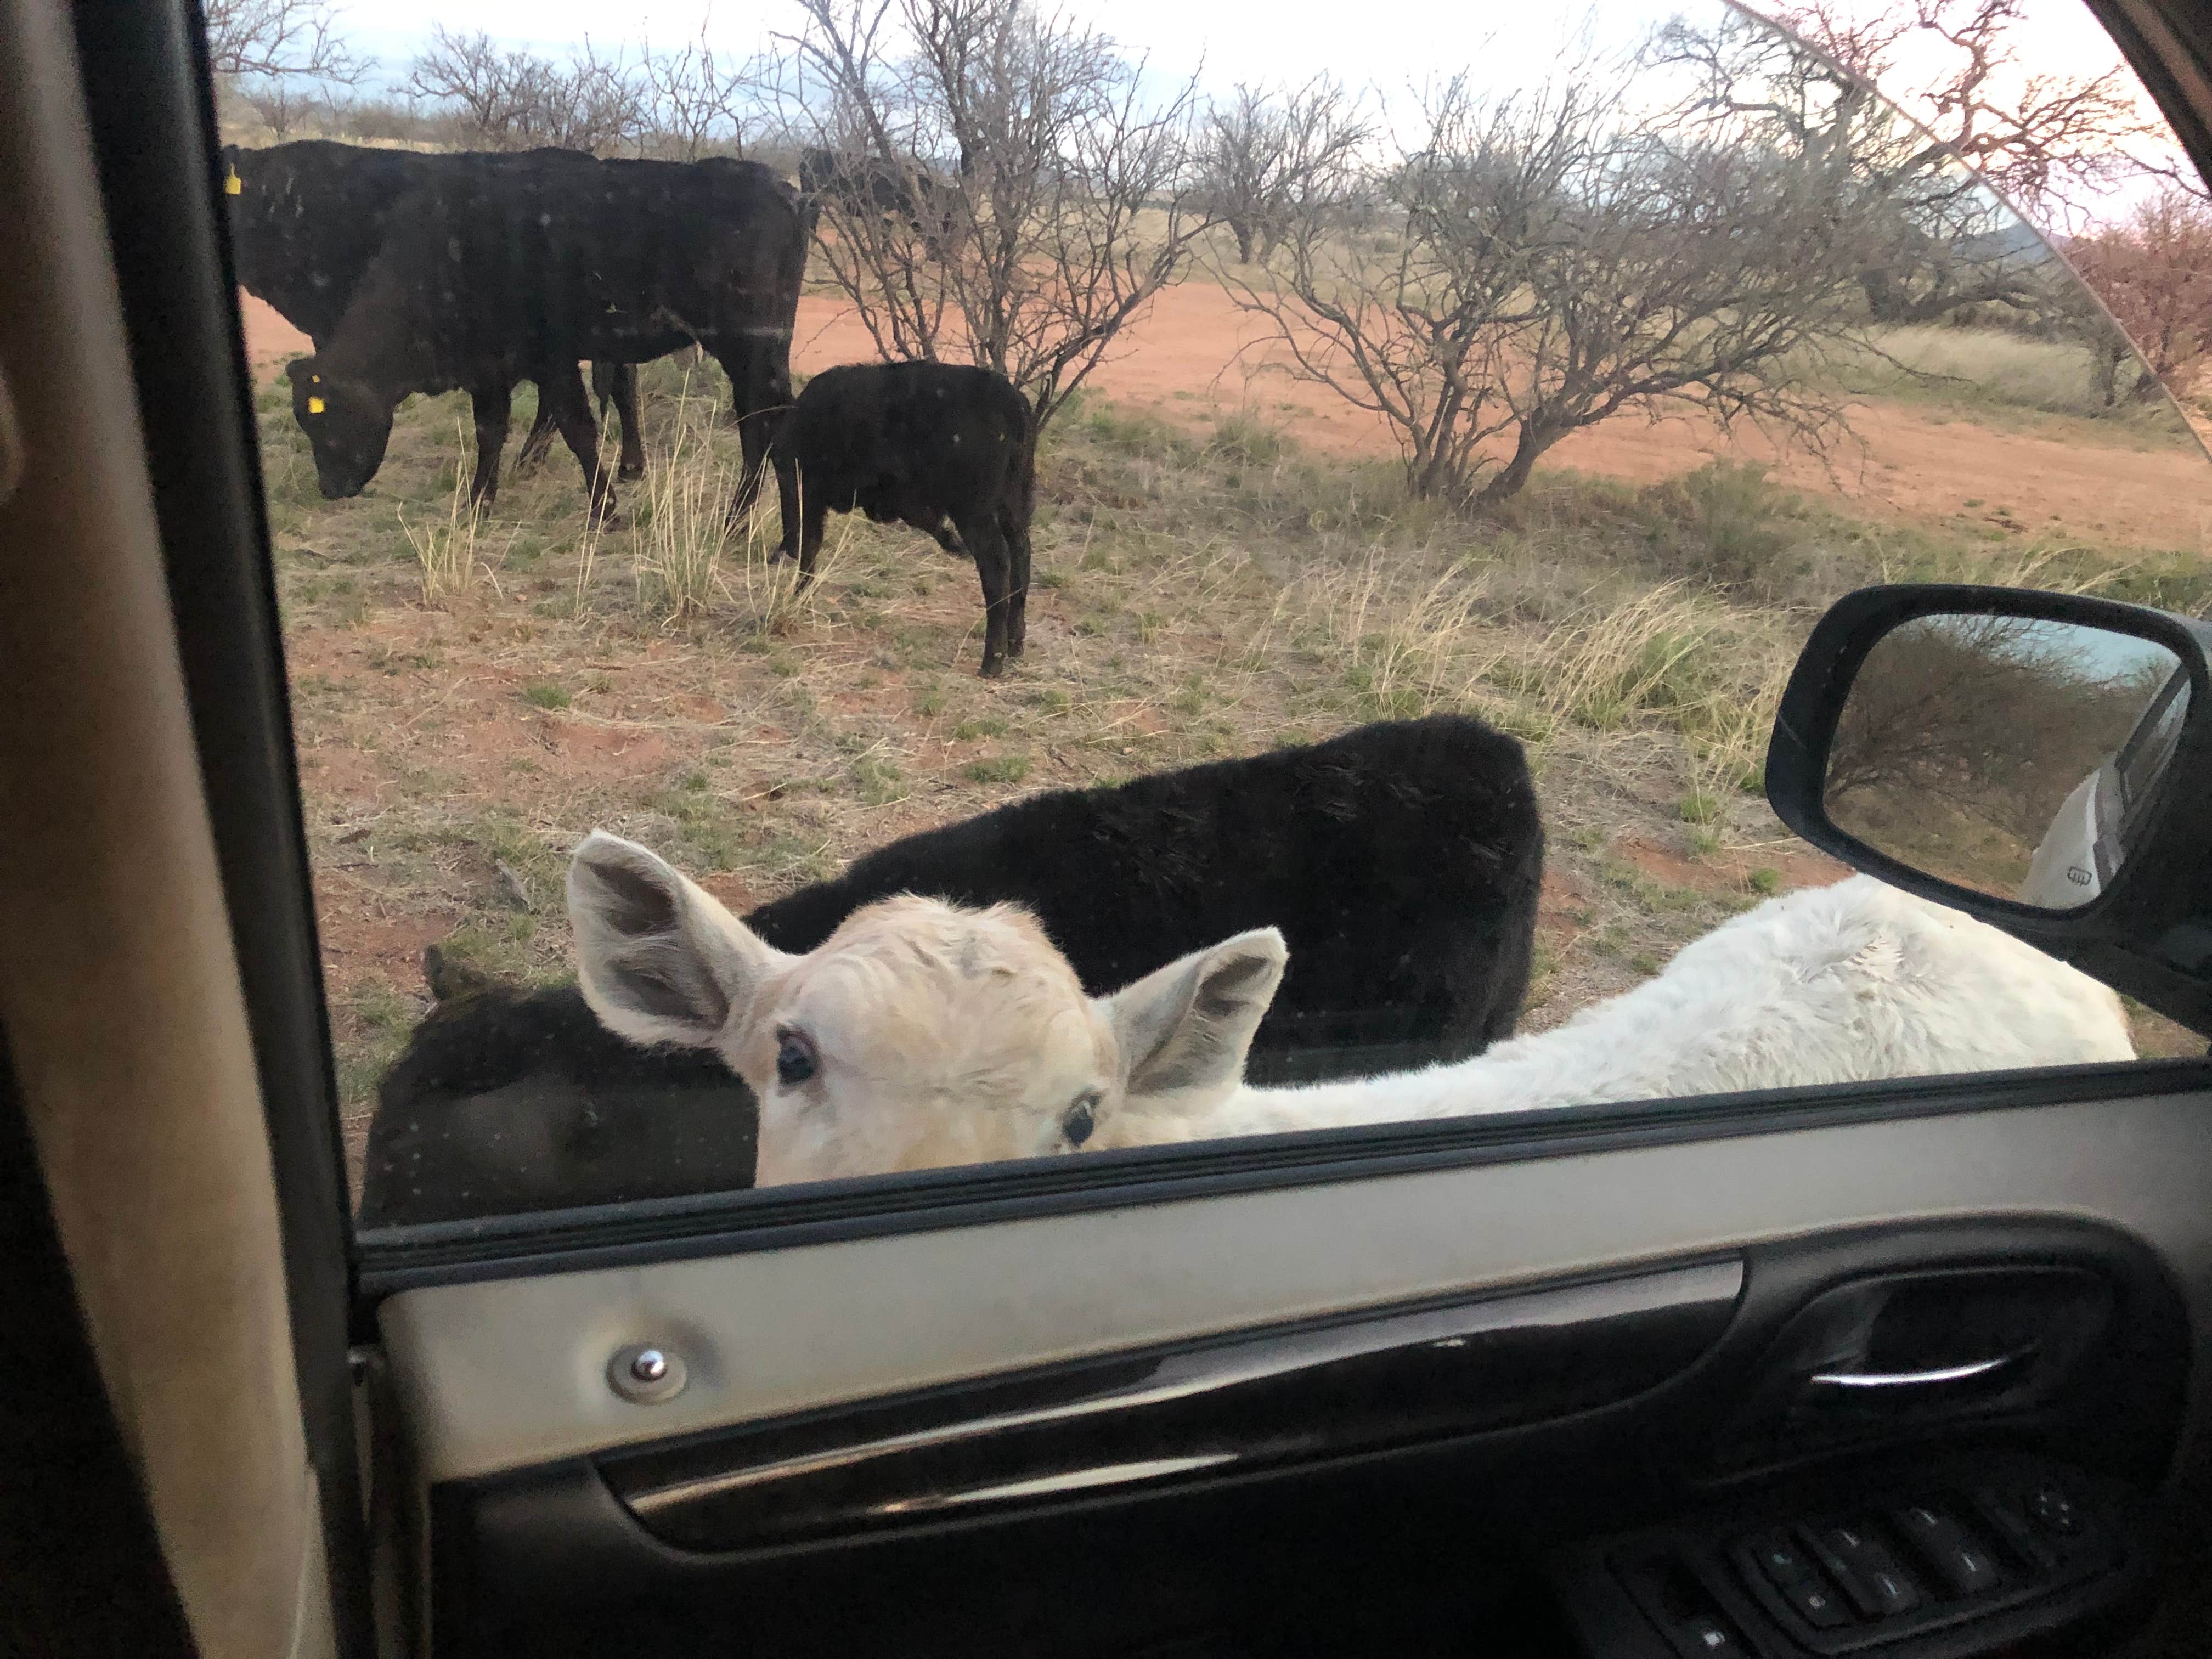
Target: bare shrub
{"points": [[1927, 238], [2154, 272], [504, 98], [279, 40], [1016, 191], [1257, 150], [280, 105], [1558, 260], [2050, 142], [696, 101]]}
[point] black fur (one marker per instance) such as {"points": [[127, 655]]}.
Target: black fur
{"points": [[308, 217], [921, 444], [498, 269], [510, 1099], [1401, 861]]}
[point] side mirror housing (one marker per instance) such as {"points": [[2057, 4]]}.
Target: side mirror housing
{"points": [[2042, 761]]}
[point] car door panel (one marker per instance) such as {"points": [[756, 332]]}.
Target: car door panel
{"points": [[560, 1511], [771, 1332]]}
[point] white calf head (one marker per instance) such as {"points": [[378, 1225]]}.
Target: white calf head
{"points": [[919, 1033]]}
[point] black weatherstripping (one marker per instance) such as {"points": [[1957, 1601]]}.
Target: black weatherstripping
{"points": [[445, 1253], [147, 91], [1228, 1405]]}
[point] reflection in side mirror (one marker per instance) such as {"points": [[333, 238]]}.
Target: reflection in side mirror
{"points": [[2014, 756]]}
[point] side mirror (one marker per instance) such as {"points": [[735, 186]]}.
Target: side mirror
{"points": [[2040, 760]]}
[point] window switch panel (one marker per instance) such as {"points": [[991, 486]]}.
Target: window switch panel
{"points": [[1949, 1550], [1781, 1560], [1816, 1604], [1870, 1574]]}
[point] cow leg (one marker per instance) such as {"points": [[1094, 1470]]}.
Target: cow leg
{"points": [[759, 368], [813, 522], [983, 540], [1017, 584], [492, 402], [617, 383], [562, 385], [539, 439]]}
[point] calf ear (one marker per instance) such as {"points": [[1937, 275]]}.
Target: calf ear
{"points": [[661, 960], [1185, 1029]]}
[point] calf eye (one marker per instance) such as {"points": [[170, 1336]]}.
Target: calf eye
{"points": [[1080, 1118], [795, 1060]]}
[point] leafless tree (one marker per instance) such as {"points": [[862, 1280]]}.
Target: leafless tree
{"points": [[279, 40], [1931, 237], [1546, 261], [2155, 272], [1018, 195], [505, 98], [2050, 143], [696, 99], [1256, 148], [280, 105]]}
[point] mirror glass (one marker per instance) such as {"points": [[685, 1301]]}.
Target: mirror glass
{"points": [[2016, 757]]}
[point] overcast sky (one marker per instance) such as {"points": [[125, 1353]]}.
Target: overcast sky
{"points": [[1387, 44], [1379, 41]]}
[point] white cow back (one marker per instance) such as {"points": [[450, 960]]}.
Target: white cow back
{"points": [[1846, 984]]}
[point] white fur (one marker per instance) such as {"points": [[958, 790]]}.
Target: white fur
{"points": [[1838, 984], [938, 1035]]}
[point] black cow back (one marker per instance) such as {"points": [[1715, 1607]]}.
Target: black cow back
{"points": [[1401, 861], [508, 262]]}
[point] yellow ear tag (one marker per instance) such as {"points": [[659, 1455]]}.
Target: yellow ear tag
{"points": [[314, 405], [232, 184]]}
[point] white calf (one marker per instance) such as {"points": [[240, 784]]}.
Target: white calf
{"points": [[1838, 984], [917, 1034]]}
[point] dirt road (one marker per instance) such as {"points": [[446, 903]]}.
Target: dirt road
{"points": [[1194, 353]]}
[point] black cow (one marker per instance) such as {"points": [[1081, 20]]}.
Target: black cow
{"points": [[305, 220], [920, 444], [864, 183], [509, 1099], [1401, 861], [512, 268]]}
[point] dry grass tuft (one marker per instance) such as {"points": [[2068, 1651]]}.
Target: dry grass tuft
{"points": [[455, 557], [681, 527]]}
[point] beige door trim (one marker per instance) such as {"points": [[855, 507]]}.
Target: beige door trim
{"points": [[117, 984]]}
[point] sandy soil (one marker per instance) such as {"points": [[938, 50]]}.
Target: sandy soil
{"points": [[1194, 352]]}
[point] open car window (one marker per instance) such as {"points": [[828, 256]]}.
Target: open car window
{"points": [[1078, 604]]}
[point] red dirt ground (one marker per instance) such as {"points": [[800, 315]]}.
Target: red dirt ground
{"points": [[1193, 351]]}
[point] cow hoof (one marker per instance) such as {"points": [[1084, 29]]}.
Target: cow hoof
{"points": [[631, 474], [991, 671]]}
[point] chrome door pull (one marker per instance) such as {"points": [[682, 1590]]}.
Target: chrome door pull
{"points": [[1927, 1379]]}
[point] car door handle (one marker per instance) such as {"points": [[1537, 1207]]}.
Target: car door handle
{"points": [[1935, 1378]]}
